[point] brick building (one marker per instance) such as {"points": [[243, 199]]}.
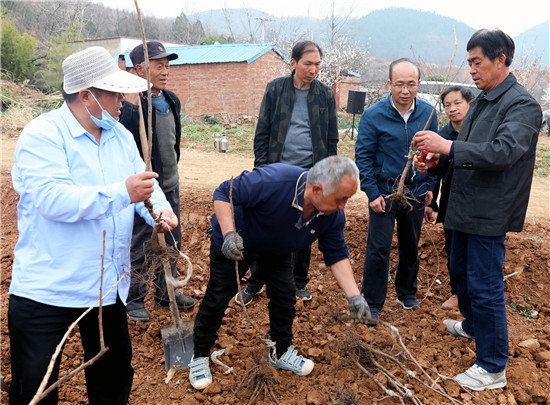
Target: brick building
{"points": [[222, 79], [352, 81]]}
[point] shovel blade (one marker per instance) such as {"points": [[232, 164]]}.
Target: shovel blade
{"points": [[178, 346]]}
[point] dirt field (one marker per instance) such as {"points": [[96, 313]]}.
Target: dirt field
{"points": [[336, 346]]}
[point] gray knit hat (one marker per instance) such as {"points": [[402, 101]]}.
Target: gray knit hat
{"points": [[94, 67]]}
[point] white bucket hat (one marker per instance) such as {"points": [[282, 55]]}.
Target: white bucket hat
{"points": [[94, 67]]}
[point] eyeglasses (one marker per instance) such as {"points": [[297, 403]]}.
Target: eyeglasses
{"points": [[401, 86]]}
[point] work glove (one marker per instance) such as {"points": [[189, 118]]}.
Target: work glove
{"points": [[233, 247], [359, 308]]}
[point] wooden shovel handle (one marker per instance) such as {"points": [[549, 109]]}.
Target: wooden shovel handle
{"points": [[170, 287]]}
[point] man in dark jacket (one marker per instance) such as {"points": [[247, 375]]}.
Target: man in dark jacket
{"points": [[383, 141], [297, 125], [165, 155], [493, 161]]}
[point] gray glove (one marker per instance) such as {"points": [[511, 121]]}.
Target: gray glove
{"points": [[233, 247], [358, 307]]}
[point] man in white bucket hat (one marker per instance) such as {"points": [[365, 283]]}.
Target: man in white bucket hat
{"points": [[80, 179]]}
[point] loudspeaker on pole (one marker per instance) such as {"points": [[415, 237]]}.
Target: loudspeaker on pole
{"points": [[356, 102]]}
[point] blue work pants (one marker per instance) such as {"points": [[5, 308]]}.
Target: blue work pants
{"points": [[477, 261]]}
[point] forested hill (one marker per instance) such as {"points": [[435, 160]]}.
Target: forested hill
{"points": [[402, 32]]}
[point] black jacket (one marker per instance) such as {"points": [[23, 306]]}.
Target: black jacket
{"points": [[274, 120], [130, 119], [493, 162], [443, 173]]}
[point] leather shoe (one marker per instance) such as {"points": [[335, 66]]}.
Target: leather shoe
{"points": [[138, 315], [183, 302]]}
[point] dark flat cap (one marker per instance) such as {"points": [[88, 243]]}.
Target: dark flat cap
{"points": [[155, 49]]}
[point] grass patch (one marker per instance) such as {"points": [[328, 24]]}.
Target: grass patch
{"points": [[525, 309], [201, 137], [16, 116]]}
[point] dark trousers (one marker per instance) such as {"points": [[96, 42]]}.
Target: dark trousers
{"points": [[300, 267], [222, 287], [379, 242], [141, 249], [477, 263], [448, 243], [36, 329]]}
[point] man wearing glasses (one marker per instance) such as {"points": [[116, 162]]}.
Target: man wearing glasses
{"points": [[385, 133]]}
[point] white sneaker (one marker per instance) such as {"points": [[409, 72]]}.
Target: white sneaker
{"points": [[477, 378], [454, 328], [291, 361], [199, 373]]}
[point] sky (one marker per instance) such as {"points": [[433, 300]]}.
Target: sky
{"points": [[512, 18]]}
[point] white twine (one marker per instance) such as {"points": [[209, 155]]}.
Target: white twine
{"points": [[169, 278], [214, 357]]}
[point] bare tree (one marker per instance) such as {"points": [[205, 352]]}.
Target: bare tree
{"points": [[337, 20], [529, 73], [49, 19], [251, 25], [227, 16]]}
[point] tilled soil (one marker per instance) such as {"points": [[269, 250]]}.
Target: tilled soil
{"points": [[354, 364]]}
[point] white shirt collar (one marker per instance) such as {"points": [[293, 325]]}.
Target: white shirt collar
{"points": [[408, 112]]}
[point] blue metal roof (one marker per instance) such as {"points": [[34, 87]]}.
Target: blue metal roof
{"points": [[216, 53]]}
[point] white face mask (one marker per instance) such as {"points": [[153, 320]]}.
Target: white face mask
{"points": [[106, 121]]}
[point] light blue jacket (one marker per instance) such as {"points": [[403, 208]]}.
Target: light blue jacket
{"points": [[72, 189]]}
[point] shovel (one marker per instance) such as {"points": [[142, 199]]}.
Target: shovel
{"points": [[177, 339]]}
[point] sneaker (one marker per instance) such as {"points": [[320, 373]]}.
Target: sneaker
{"points": [[199, 373], [303, 294], [292, 362], [451, 303], [477, 378], [138, 315], [409, 303], [454, 328], [248, 294], [183, 302]]}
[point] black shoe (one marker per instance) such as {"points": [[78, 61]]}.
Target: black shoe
{"points": [[183, 302], [247, 293], [138, 315], [303, 294]]}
